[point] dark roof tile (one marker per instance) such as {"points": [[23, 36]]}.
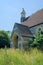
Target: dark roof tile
{"points": [[24, 29]]}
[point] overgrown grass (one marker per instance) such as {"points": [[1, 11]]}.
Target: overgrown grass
{"points": [[17, 57]]}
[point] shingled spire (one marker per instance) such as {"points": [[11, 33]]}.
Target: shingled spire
{"points": [[23, 15]]}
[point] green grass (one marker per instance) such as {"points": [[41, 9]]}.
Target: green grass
{"points": [[17, 57]]}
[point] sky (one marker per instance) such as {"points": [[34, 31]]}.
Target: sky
{"points": [[10, 11]]}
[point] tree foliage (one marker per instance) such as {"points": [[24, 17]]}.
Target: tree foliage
{"points": [[4, 39], [38, 40]]}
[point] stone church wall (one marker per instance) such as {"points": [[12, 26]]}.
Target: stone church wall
{"points": [[25, 42], [34, 29]]}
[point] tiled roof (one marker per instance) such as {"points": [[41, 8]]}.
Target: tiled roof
{"points": [[34, 19], [24, 30], [26, 18]]}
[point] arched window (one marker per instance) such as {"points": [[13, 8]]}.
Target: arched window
{"points": [[39, 30]]}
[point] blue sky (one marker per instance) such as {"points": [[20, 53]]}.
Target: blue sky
{"points": [[10, 11]]}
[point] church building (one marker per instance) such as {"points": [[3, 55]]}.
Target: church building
{"points": [[22, 33]]}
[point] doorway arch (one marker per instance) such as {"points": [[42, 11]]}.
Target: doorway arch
{"points": [[15, 40]]}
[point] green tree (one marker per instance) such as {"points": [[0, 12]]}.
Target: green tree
{"points": [[38, 40], [4, 39]]}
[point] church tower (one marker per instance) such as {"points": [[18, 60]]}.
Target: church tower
{"points": [[23, 15]]}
